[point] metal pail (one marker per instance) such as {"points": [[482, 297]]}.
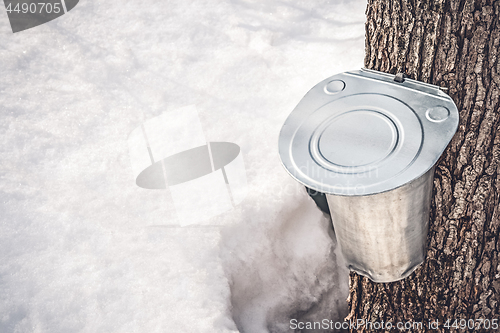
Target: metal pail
{"points": [[383, 236], [369, 141]]}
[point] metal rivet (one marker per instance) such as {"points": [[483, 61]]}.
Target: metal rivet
{"points": [[437, 114], [334, 86]]}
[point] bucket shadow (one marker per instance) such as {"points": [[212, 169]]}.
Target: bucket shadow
{"points": [[289, 272]]}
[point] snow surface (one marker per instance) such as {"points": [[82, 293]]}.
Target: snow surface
{"points": [[83, 249]]}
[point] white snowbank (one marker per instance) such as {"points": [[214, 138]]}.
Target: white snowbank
{"points": [[83, 248]]}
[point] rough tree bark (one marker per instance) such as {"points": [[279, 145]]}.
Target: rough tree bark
{"points": [[453, 44]]}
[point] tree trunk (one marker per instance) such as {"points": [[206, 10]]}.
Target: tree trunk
{"points": [[452, 44]]}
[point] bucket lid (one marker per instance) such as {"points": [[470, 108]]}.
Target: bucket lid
{"points": [[362, 132]]}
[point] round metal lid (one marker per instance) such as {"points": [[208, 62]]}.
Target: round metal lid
{"points": [[352, 135]]}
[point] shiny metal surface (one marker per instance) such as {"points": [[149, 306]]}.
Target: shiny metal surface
{"points": [[370, 144], [361, 133], [383, 236]]}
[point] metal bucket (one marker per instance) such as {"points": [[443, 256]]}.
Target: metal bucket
{"points": [[370, 142], [383, 236]]}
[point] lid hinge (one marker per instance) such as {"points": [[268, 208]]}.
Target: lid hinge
{"points": [[400, 77]]}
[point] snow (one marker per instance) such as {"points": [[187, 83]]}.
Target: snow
{"points": [[83, 249]]}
